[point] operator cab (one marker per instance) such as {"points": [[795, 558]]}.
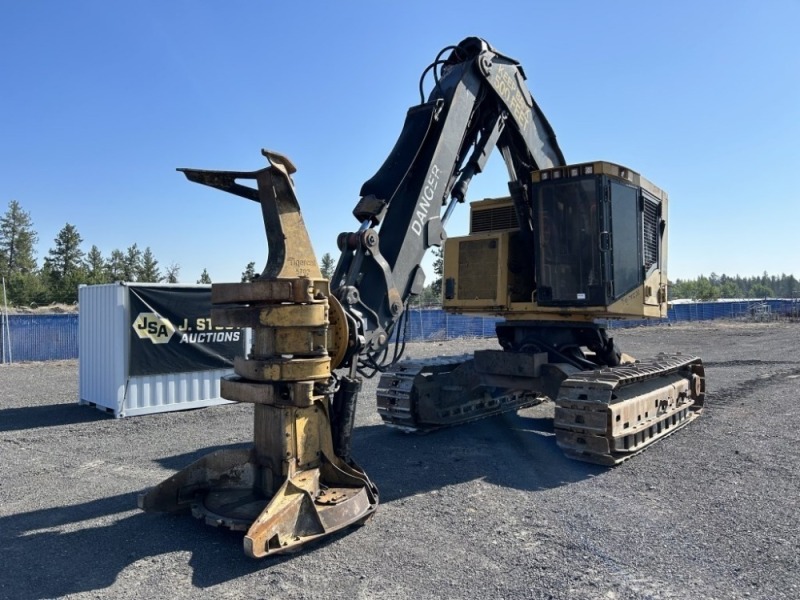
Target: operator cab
{"points": [[600, 228], [596, 248]]}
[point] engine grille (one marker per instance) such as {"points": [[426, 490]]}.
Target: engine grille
{"points": [[499, 218], [477, 270], [650, 233]]}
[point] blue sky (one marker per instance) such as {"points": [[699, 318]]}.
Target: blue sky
{"points": [[101, 101]]}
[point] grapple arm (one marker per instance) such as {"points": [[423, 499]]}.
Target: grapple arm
{"points": [[479, 102]]}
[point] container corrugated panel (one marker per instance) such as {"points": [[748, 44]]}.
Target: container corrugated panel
{"points": [[104, 347], [173, 391]]}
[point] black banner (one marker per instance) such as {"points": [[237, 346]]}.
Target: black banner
{"points": [[172, 332]]}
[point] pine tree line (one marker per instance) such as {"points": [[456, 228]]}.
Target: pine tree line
{"points": [[724, 286], [66, 265]]}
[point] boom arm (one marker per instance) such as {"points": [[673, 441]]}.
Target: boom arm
{"points": [[479, 102]]}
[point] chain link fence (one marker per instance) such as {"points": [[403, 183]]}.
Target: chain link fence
{"points": [[55, 336], [39, 337]]}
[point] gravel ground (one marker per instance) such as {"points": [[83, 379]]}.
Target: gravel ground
{"points": [[488, 510]]}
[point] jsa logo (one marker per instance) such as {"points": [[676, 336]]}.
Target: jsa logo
{"points": [[155, 327]]}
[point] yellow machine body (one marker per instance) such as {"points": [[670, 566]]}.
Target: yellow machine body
{"points": [[483, 271]]}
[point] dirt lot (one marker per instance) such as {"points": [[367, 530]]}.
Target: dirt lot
{"points": [[489, 510]]}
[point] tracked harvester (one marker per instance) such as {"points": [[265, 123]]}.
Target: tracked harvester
{"points": [[570, 247], [596, 249]]}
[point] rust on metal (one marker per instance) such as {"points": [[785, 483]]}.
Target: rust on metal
{"points": [[261, 290], [290, 487], [282, 369], [337, 332], [609, 415], [297, 393], [272, 315], [428, 394]]}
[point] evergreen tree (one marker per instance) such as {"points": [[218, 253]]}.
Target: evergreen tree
{"points": [[132, 263], [27, 288], [327, 265], [148, 268], [249, 273], [438, 270], [204, 277], [115, 267], [705, 289], [65, 259], [729, 289], [724, 286], [759, 290], [17, 241], [792, 289], [95, 267], [429, 297], [64, 267], [680, 289]]}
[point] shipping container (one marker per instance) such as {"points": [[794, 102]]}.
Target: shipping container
{"points": [[138, 361]]}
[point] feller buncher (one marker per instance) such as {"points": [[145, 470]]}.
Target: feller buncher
{"points": [[570, 247]]}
